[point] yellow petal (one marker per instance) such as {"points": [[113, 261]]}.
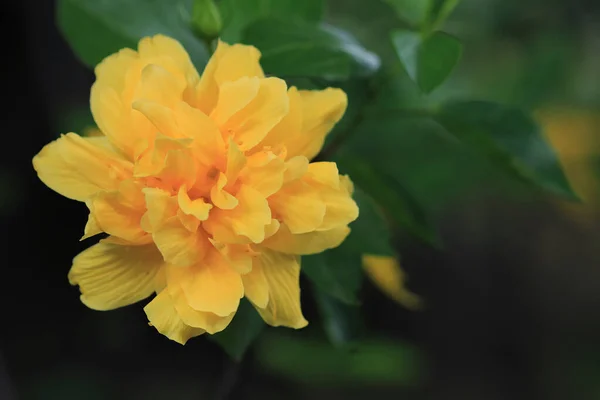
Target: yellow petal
{"points": [[233, 97], [323, 173], [321, 110], [295, 168], [282, 273], [117, 214], [227, 64], [161, 207], [306, 243], [78, 167], [299, 206], [211, 286], [237, 61], [239, 256], [236, 160], [250, 125], [208, 145], [168, 53], [209, 322], [266, 178], [163, 316], [160, 86], [122, 125], [112, 276], [341, 209], [256, 288], [199, 208], [247, 220], [386, 274], [290, 126], [178, 245], [220, 197]]}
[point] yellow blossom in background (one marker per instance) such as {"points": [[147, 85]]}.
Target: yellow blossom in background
{"points": [[385, 272], [204, 186]]}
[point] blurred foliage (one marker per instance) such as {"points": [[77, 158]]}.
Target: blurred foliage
{"points": [[415, 136]]}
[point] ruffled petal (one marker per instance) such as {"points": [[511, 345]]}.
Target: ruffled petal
{"points": [[178, 245], [321, 110], [299, 206], [228, 63], [163, 316], [209, 322], [211, 286], [78, 167], [112, 276], [306, 243], [247, 220]]}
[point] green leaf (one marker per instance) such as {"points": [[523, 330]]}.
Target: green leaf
{"points": [[392, 196], [238, 14], [510, 138], [97, 28], [307, 50], [370, 232], [411, 11], [337, 272], [342, 322], [430, 60], [438, 11], [312, 362], [241, 332]]}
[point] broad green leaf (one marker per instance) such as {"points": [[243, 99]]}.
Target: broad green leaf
{"points": [[342, 322], [411, 11], [370, 232], [241, 332], [97, 28], [510, 138], [337, 272], [312, 362], [238, 14], [391, 195], [428, 60], [300, 49]]}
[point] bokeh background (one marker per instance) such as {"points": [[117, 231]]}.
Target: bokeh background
{"points": [[512, 300]]}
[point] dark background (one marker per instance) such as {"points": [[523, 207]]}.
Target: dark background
{"points": [[513, 299]]}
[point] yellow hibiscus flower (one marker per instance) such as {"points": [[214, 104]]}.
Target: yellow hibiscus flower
{"points": [[204, 186]]}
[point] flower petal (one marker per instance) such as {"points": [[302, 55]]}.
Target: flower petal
{"points": [[233, 97], [112, 276], [282, 273], [256, 287], [227, 64], [211, 286], [306, 243], [163, 316], [266, 178], [248, 219], [209, 322], [199, 208], [119, 213], [321, 110], [250, 125], [161, 207], [78, 167], [386, 274], [220, 197], [299, 206], [178, 245]]}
